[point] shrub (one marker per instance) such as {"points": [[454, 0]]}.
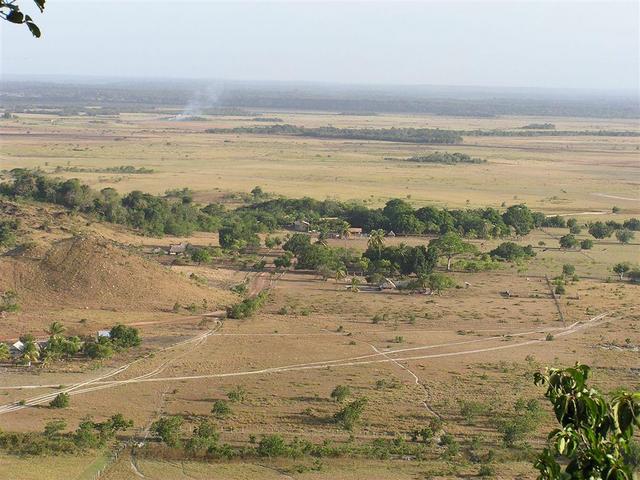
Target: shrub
{"points": [[350, 414], [272, 446], [9, 302], [123, 336], [248, 306], [486, 470], [238, 394], [60, 401], [340, 393], [568, 241], [221, 409], [168, 429], [511, 252], [586, 244], [568, 270]]}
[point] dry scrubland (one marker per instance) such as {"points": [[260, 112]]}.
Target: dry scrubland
{"points": [[423, 355]]}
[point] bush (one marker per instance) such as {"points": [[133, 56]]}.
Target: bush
{"points": [[247, 307], [568, 241], [60, 401], [238, 394], [272, 446], [123, 336], [98, 350], [486, 470], [568, 270], [350, 414], [586, 244], [511, 252], [9, 302], [168, 429], [340, 393], [221, 409], [201, 255]]}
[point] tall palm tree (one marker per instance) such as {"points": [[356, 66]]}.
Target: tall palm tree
{"points": [[55, 329], [344, 232], [376, 240], [340, 273], [30, 353], [355, 283]]}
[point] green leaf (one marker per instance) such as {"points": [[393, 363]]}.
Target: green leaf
{"points": [[14, 16], [33, 28], [40, 4]]}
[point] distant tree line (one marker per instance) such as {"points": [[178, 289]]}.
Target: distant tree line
{"points": [[410, 135], [445, 158], [125, 169], [548, 133], [539, 126]]}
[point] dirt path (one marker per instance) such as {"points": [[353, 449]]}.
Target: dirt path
{"points": [[616, 197], [391, 356]]}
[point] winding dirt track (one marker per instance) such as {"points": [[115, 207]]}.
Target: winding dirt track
{"points": [[392, 356]]}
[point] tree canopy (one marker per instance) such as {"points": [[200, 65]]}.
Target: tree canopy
{"points": [[10, 11]]}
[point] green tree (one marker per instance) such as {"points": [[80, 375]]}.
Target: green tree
{"points": [[624, 235], [354, 286], [568, 241], [54, 427], [621, 268], [168, 429], [204, 437], [10, 11], [568, 270], [350, 414], [272, 446], [520, 218], [55, 329], [124, 336], [438, 282], [600, 230], [451, 245], [586, 244], [511, 252], [595, 434], [340, 393], [30, 352], [376, 241]]}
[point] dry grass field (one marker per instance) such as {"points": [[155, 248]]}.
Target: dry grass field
{"points": [[413, 356], [552, 174]]}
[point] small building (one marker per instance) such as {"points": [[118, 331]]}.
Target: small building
{"points": [[17, 348], [178, 249], [301, 226], [355, 232], [387, 284], [103, 334], [391, 234]]}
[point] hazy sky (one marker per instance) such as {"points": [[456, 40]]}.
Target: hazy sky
{"points": [[511, 43]]}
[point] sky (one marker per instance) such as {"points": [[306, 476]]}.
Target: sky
{"points": [[554, 44]]}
